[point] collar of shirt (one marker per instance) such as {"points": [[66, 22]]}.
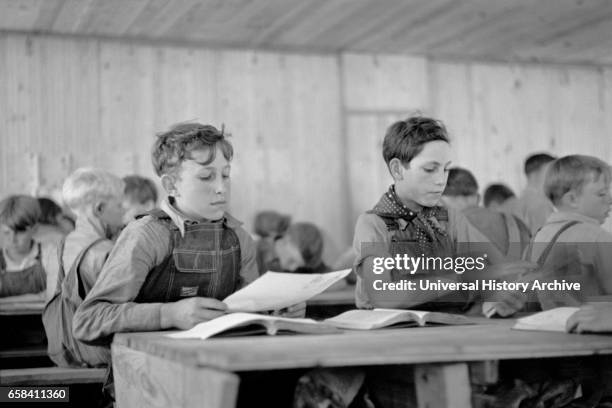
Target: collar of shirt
{"points": [[29, 260], [564, 216], [180, 219]]}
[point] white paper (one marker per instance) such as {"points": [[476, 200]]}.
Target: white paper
{"points": [[210, 328], [277, 290]]}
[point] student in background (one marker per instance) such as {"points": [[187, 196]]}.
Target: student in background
{"points": [[140, 196], [171, 268], [22, 259], [95, 196], [533, 207], [53, 224], [509, 234], [579, 187], [269, 226], [300, 249], [499, 197]]}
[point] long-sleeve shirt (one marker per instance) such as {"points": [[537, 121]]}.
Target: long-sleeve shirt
{"points": [[371, 229], [110, 308], [582, 253]]}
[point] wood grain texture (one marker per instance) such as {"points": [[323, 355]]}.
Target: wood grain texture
{"points": [[565, 31], [51, 376], [490, 341], [142, 380], [444, 385]]}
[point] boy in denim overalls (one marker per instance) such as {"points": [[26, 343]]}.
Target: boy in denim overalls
{"points": [[171, 267]]}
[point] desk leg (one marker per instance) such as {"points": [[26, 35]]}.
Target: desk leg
{"points": [[442, 385], [143, 380]]}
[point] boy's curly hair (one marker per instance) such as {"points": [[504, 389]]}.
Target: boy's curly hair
{"points": [[175, 146], [405, 139]]}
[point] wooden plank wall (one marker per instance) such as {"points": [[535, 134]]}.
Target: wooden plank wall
{"points": [[496, 114], [307, 128], [67, 103]]}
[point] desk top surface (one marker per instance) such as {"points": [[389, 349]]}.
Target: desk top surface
{"points": [[492, 340], [22, 308]]}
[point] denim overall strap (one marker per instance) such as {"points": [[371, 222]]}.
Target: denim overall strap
{"points": [[205, 262]]}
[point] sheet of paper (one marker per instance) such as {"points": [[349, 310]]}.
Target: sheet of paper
{"points": [[277, 290]]}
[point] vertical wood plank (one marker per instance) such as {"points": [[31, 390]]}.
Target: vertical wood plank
{"points": [[143, 380], [442, 385]]}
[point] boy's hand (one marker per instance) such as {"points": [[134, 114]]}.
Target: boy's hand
{"points": [[506, 304], [297, 310], [186, 313], [591, 318]]}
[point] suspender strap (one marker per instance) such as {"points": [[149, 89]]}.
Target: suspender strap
{"points": [[76, 264], [548, 248]]}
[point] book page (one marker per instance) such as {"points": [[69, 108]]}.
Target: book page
{"points": [[549, 320], [210, 328], [277, 290], [369, 319]]}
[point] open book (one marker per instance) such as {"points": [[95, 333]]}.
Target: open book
{"points": [[378, 318], [251, 323], [549, 320], [277, 290]]}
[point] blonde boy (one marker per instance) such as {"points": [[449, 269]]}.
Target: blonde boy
{"points": [[95, 196], [579, 188]]}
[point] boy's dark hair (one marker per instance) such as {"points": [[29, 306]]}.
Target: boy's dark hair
{"points": [[460, 182], [497, 193], [19, 212], [571, 173], [308, 239], [271, 223], [175, 146], [405, 139], [140, 189], [535, 162], [49, 211]]}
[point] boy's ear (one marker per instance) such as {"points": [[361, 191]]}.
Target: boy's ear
{"points": [[169, 184], [396, 168], [570, 199], [98, 208]]}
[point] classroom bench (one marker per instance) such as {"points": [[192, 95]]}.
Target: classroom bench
{"points": [[52, 376]]}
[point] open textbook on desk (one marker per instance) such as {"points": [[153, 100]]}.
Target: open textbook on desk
{"points": [[380, 318], [549, 320], [252, 323], [272, 291]]}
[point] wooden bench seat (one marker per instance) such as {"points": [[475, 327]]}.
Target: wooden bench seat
{"points": [[52, 376]]}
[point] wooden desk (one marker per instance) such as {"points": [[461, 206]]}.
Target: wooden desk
{"points": [[24, 342], [22, 308], [152, 370]]}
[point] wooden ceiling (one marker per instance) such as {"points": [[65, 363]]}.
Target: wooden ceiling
{"points": [[560, 31]]}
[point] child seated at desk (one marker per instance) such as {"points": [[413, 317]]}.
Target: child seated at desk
{"points": [[22, 260], [579, 187], [172, 267], [269, 226], [95, 196], [499, 197], [410, 219], [508, 233], [140, 197]]}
